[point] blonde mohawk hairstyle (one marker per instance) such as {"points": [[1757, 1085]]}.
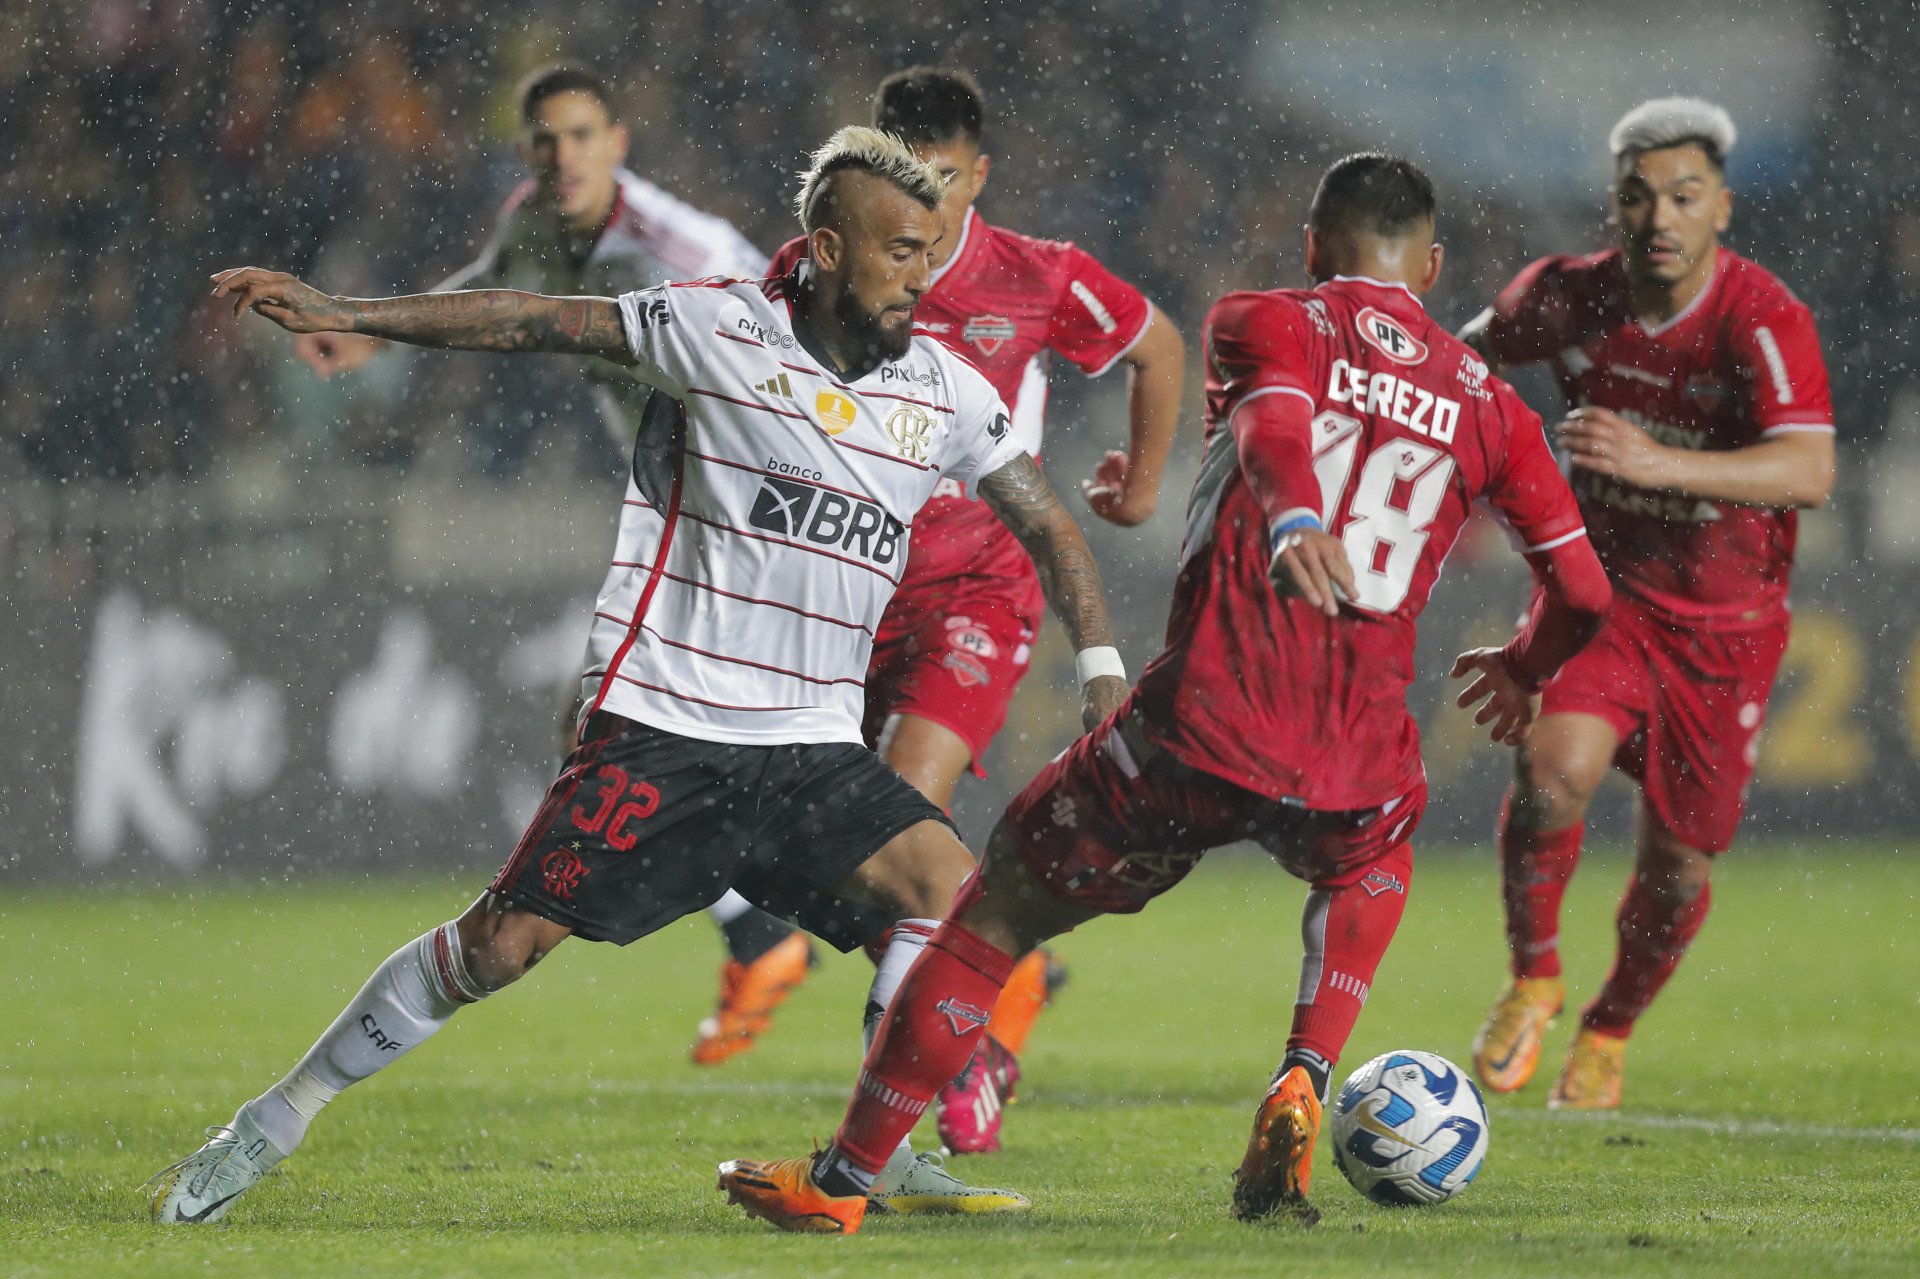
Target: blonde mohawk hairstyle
{"points": [[869, 151], [1668, 122]]}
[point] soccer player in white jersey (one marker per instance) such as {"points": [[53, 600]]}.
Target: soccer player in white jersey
{"points": [[585, 224], [798, 428]]}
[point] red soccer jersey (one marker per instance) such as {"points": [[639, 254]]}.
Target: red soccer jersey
{"points": [[1740, 363], [1409, 430], [1007, 302]]}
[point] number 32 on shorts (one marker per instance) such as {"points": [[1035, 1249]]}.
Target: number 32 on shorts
{"points": [[1400, 488]]}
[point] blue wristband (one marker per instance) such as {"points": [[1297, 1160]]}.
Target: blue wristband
{"points": [[1296, 523]]}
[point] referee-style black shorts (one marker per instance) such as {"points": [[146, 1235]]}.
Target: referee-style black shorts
{"points": [[643, 826]]}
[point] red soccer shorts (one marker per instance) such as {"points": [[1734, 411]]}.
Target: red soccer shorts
{"points": [[954, 661], [1113, 822], [1687, 704]]}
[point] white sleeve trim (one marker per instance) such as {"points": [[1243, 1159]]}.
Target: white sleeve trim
{"points": [[1294, 513], [1799, 428], [1133, 342], [1562, 540]]}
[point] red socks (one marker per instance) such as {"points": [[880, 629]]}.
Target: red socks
{"points": [[1654, 936], [1534, 869], [929, 1033], [1346, 929]]}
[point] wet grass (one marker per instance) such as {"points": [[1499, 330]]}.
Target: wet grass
{"points": [[1771, 1125]]}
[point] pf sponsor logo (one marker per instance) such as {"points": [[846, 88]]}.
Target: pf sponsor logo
{"points": [[988, 332], [826, 519], [836, 411], [910, 427], [964, 635], [1386, 335], [962, 1017]]}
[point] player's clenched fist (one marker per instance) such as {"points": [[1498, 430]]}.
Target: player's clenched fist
{"points": [[1510, 708], [1312, 564], [1117, 494], [283, 299], [1100, 698]]}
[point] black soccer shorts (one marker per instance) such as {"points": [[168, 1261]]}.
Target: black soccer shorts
{"points": [[643, 826]]}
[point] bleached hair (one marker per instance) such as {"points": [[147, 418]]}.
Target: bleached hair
{"points": [[1668, 122], [869, 151]]}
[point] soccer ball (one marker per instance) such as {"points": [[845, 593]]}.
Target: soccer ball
{"points": [[1409, 1128]]}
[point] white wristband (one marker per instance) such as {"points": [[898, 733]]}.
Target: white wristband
{"points": [[1091, 663]]}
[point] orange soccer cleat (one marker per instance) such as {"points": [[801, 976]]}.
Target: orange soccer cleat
{"points": [[748, 995], [1274, 1176], [783, 1192], [1590, 1080], [1507, 1049]]}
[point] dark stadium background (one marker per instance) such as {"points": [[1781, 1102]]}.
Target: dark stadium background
{"points": [[262, 623]]}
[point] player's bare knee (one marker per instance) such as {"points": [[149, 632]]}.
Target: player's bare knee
{"points": [[500, 943], [917, 872], [1551, 791], [1014, 910], [1672, 871]]}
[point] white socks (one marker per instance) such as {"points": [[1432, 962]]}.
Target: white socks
{"points": [[904, 943], [410, 996]]}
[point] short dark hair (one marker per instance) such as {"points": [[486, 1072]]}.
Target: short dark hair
{"points": [[1372, 193], [552, 81], [930, 104]]}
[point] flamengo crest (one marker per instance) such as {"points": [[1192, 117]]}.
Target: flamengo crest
{"points": [[911, 430]]}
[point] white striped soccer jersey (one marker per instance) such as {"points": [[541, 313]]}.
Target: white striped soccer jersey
{"points": [[768, 513]]}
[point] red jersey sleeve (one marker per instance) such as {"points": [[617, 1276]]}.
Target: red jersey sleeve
{"points": [[1097, 316], [1258, 342], [1527, 489], [1533, 316], [1779, 352], [789, 255]]}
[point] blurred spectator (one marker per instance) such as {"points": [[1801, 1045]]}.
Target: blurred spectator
{"points": [[156, 140]]}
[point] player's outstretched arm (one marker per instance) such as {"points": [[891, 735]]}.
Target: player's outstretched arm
{"points": [[1125, 487], [1019, 494], [481, 320], [1569, 606]]}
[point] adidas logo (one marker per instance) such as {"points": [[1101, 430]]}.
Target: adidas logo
{"points": [[776, 385]]}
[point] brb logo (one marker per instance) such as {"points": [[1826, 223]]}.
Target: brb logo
{"points": [[1385, 334], [826, 518]]}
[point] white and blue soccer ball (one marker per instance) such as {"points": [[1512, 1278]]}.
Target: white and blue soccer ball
{"points": [[1409, 1128]]}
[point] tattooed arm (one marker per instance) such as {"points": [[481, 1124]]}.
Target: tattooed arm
{"points": [[1019, 494], [482, 320]]}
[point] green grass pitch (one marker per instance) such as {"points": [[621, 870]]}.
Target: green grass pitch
{"points": [[1773, 1121]]}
